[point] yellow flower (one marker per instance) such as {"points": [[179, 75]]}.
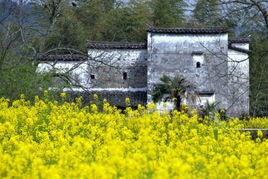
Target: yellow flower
{"points": [[22, 96], [95, 97], [51, 139], [63, 95], [94, 107], [259, 134], [127, 101], [45, 93]]}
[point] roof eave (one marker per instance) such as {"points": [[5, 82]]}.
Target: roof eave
{"points": [[63, 57], [211, 30], [239, 40], [239, 50], [115, 45]]}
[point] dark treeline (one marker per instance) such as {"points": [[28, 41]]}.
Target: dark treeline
{"points": [[28, 28]]}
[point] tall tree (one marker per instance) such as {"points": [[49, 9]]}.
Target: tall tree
{"points": [[259, 77], [127, 23], [255, 13], [207, 12], [68, 32], [52, 8], [17, 69], [92, 14], [255, 21], [168, 13]]}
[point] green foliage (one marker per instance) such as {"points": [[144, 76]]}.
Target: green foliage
{"points": [[213, 112], [175, 88], [107, 20], [22, 79], [127, 23], [56, 23], [92, 14], [67, 32], [209, 109], [170, 86], [258, 77], [168, 13], [207, 12]]}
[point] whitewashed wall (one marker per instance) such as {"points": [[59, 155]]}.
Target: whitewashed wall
{"points": [[119, 57], [174, 54], [77, 69], [166, 43], [241, 45], [223, 70], [238, 69], [109, 65]]}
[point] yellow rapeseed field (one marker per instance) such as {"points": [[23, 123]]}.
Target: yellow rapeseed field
{"points": [[49, 139]]}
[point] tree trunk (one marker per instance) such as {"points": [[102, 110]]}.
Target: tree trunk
{"points": [[178, 103]]}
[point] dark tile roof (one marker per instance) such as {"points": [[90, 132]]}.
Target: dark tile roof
{"points": [[239, 49], [63, 57], [197, 53], [208, 30], [115, 98], [239, 40], [205, 92], [115, 45]]}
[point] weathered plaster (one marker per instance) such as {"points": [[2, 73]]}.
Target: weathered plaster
{"points": [[172, 54], [223, 72], [241, 45], [109, 66], [78, 70], [238, 70]]}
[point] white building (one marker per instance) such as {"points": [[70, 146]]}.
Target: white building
{"points": [[206, 57]]}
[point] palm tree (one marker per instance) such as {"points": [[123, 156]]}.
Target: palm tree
{"points": [[175, 88]]}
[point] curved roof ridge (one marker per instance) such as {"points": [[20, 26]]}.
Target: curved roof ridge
{"points": [[116, 45], [239, 40], [62, 57], [205, 30], [239, 49]]}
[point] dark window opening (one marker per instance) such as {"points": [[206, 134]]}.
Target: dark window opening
{"points": [[92, 77], [198, 65], [125, 75]]}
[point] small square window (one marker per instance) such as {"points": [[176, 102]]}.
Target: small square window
{"points": [[198, 60], [92, 76], [125, 75]]}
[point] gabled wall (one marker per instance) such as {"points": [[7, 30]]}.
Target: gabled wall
{"points": [[109, 66], [77, 69], [173, 54], [218, 70], [238, 69]]}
